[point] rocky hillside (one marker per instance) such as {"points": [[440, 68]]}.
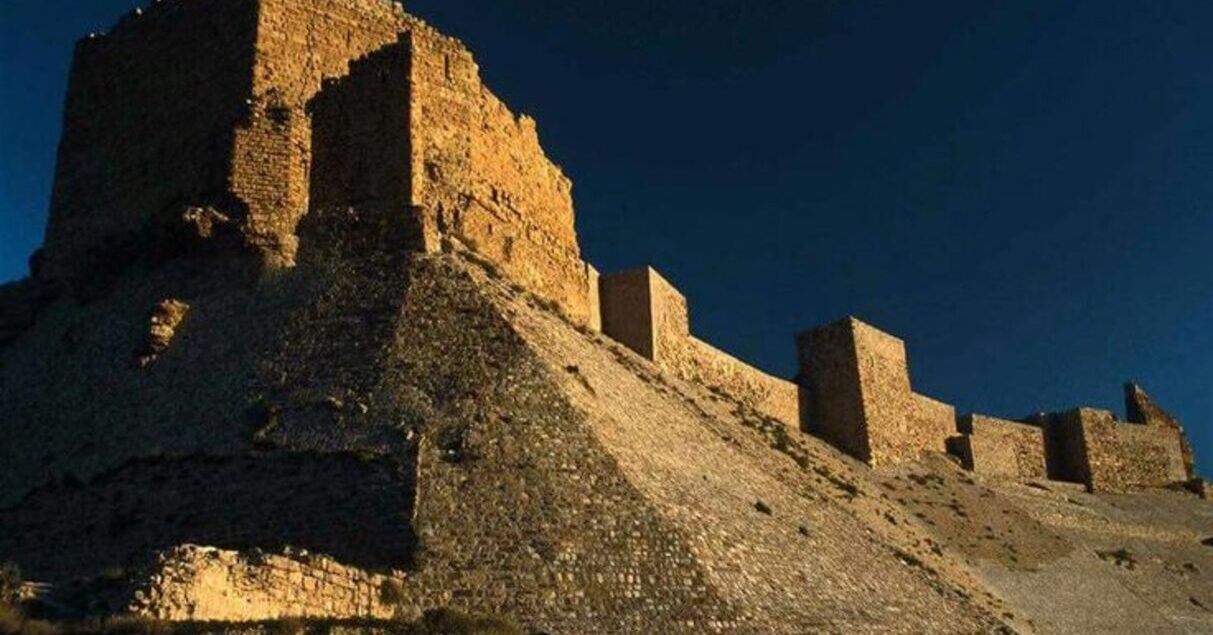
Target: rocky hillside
{"points": [[446, 436]]}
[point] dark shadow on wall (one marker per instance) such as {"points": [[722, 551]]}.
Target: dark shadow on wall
{"points": [[353, 508]]}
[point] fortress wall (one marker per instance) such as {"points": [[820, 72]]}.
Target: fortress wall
{"points": [[300, 43], [355, 510], [362, 152], [1108, 455], [1065, 448], [148, 127], [861, 398], [217, 94], [1140, 408], [772, 396], [1003, 449], [643, 311], [195, 583], [933, 423], [593, 278], [481, 171]]}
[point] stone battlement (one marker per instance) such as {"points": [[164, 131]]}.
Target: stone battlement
{"points": [[861, 400]]}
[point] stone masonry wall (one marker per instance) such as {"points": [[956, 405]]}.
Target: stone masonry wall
{"points": [[861, 398], [933, 422], [1140, 408], [361, 150], [829, 369], [194, 583], [645, 312], [148, 126], [480, 170], [1108, 455], [300, 43], [1002, 449], [627, 309], [477, 172], [356, 510]]}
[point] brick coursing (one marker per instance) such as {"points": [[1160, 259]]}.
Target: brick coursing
{"points": [[199, 583], [218, 93], [175, 79]]}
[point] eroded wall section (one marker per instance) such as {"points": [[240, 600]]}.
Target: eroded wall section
{"points": [[205, 584], [480, 171]]}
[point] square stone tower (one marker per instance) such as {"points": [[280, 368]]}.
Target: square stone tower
{"points": [[215, 103], [860, 396], [642, 310]]}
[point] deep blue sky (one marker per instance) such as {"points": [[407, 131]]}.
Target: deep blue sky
{"points": [[1020, 189]]}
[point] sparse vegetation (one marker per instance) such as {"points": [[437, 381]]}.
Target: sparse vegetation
{"points": [[1120, 557], [391, 592], [10, 582]]}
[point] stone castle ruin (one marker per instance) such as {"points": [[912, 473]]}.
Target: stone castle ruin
{"points": [[251, 276], [332, 110]]}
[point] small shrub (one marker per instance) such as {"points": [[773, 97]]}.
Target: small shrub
{"points": [[763, 508], [1119, 557], [391, 592], [10, 582], [447, 622], [287, 626]]}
